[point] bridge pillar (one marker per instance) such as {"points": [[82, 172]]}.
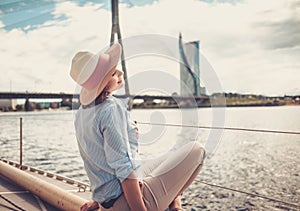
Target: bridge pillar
{"points": [[27, 105]]}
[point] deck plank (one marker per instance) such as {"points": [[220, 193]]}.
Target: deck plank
{"points": [[10, 192]]}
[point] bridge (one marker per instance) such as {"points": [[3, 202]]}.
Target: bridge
{"points": [[28, 95], [147, 100]]}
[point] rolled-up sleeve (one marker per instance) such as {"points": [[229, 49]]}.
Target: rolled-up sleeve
{"points": [[113, 126]]}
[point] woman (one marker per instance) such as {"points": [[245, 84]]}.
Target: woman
{"points": [[107, 142]]}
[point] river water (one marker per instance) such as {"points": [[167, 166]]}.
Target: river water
{"points": [[260, 163]]}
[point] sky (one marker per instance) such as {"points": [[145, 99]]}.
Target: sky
{"points": [[253, 46]]}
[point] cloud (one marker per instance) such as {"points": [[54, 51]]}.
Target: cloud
{"points": [[283, 32], [247, 42]]}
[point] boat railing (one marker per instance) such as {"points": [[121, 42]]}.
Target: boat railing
{"points": [[82, 187]]}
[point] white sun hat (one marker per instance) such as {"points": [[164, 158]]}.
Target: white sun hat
{"points": [[93, 71]]}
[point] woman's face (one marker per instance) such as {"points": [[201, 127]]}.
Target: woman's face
{"points": [[116, 82]]}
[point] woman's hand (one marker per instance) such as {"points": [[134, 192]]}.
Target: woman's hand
{"points": [[133, 194], [89, 206]]}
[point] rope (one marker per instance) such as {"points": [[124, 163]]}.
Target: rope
{"points": [[237, 129], [12, 203], [251, 194], [41, 203], [224, 128]]}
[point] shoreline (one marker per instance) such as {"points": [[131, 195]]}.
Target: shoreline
{"points": [[158, 102], [159, 107]]}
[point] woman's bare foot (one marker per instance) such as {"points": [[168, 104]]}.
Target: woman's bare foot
{"points": [[176, 204], [89, 206]]}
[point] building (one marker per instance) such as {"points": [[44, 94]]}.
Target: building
{"points": [[190, 69], [8, 104]]}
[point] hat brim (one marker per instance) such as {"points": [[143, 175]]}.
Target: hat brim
{"points": [[88, 96]]}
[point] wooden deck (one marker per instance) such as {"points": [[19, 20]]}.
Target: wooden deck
{"points": [[14, 197]]}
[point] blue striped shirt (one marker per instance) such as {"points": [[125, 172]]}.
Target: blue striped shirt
{"points": [[107, 143]]}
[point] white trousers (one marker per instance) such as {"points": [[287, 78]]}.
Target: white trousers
{"points": [[164, 178]]}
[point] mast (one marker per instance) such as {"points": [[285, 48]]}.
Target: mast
{"points": [[116, 30]]}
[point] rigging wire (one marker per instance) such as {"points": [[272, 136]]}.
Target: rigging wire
{"points": [[210, 127], [193, 126], [248, 193], [12, 203], [236, 129], [9, 208], [223, 128]]}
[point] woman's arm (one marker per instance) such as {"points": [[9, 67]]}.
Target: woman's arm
{"points": [[117, 150], [133, 193]]}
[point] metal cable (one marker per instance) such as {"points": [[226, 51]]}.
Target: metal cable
{"points": [[12, 203], [223, 128], [226, 128], [251, 194], [238, 129], [7, 207]]}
